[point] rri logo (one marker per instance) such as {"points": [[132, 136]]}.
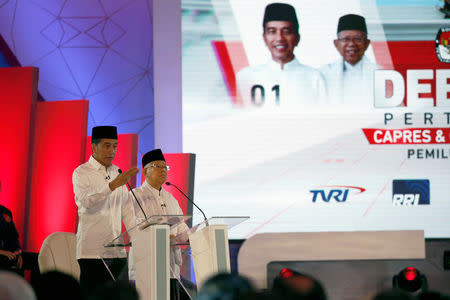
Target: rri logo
{"points": [[410, 192], [338, 193]]}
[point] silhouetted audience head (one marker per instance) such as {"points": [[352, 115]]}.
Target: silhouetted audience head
{"points": [[394, 294], [119, 290], [57, 285], [14, 287], [432, 295], [294, 285], [225, 286], [262, 295]]}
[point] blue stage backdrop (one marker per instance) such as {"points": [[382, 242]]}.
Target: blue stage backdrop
{"points": [[96, 50]]}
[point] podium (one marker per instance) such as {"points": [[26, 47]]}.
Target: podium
{"points": [[150, 245], [209, 246]]}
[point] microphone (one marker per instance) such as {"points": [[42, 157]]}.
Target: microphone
{"points": [[118, 245], [204, 216], [131, 190]]}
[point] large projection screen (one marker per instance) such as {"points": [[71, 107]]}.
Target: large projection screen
{"points": [[366, 153]]}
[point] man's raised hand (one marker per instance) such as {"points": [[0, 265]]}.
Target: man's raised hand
{"points": [[123, 178]]}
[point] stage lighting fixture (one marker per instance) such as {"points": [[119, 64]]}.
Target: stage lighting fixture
{"points": [[286, 273], [410, 280]]}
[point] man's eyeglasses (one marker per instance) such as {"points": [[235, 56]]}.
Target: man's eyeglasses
{"points": [[356, 40], [167, 168]]}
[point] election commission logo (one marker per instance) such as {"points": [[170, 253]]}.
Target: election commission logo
{"points": [[410, 192], [442, 45]]}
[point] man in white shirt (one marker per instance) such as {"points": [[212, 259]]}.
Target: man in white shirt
{"points": [[102, 201], [155, 200], [350, 79], [283, 81]]}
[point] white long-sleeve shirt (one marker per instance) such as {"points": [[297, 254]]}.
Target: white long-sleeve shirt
{"points": [[350, 86], [161, 202], [100, 210], [296, 85]]}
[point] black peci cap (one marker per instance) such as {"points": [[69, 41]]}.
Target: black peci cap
{"points": [[104, 132], [152, 156], [280, 12], [352, 22]]}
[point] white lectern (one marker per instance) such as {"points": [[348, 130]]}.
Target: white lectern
{"points": [[150, 246], [209, 246]]}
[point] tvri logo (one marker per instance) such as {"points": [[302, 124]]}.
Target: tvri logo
{"points": [[410, 192], [338, 193]]}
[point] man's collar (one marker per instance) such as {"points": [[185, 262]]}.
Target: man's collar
{"points": [[274, 65], [349, 67], [98, 166], [151, 188]]}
